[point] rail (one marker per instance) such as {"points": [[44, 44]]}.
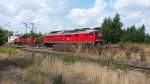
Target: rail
{"points": [[130, 64]]}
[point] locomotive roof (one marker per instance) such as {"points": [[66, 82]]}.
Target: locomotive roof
{"points": [[75, 31]]}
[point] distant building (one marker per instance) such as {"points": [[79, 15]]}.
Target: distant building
{"points": [[11, 39]]}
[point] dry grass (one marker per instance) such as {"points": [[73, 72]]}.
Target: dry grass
{"points": [[87, 73], [50, 70], [7, 50], [79, 73], [133, 52]]}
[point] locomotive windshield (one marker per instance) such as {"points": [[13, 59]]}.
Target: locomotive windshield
{"points": [[97, 33], [53, 32]]}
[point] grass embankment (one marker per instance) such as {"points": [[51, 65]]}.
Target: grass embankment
{"points": [[128, 51], [7, 50], [67, 70]]}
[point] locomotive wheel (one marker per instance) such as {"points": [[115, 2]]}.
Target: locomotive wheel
{"points": [[99, 43], [49, 45]]}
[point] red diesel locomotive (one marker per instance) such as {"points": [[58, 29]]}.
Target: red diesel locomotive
{"points": [[85, 35]]}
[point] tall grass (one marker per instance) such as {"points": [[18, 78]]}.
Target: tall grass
{"points": [[57, 72], [33, 78], [87, 73], [112, 62], [70, 58], [7, 50], [58, 79], [48, 70]]}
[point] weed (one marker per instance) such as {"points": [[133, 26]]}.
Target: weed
{"points": [[9, 51], [105, 59], [119, 64], [33, 78], [22, 62], [113, 63], [58, 79], [142, 54], [135, 48], [69, 58], [128, 54]]}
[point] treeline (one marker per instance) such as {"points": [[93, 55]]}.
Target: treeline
{"points": [[39, 36], [113, 32], [3, 36], [111, 28]]}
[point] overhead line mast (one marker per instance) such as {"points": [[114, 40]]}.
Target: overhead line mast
{"points": [[26, 26]]}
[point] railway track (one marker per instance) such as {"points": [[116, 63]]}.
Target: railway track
{"points": [[127, 64]]}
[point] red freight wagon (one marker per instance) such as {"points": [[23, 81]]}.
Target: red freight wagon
{"points": [[31, 40], [73, 36], [19, 40]]}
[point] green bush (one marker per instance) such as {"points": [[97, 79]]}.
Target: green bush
{"points": [[3, 36], [58, 79], [22, 62], [69, 58], [113, 63], [119, 64], [33, 78], [6, 50]]}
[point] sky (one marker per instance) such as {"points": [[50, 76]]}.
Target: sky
{"points": [[53, 15]]}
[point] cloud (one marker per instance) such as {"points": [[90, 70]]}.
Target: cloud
{"points": [[11, 7], [88, 17], [45, 13], [134, 12], [126, 3], [52, 15], [131, 11]]}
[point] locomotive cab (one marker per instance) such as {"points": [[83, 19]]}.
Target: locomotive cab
{"points": [[98, 36]]}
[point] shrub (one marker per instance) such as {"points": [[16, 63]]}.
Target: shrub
{"points": [[135, 48], [3, 36], [6, 50], [105, 59], [33, 78], [58, 79], [119, 64], [69, 58], [22, 62], [113, 63]]}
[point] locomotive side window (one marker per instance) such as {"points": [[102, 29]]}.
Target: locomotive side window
{"points": [[76, 35], [68, 35], [97, 33], [91, 34]]}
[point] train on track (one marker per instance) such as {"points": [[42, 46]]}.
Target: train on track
{"points": [[30, 41], [85, 35]]}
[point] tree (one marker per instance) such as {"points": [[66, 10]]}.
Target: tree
{"points": [[129, 34], [106, 29], [111, 29], [117, 28], [134, 35], [40, 37], [141, 34], [3, 36], [147, 38]]}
